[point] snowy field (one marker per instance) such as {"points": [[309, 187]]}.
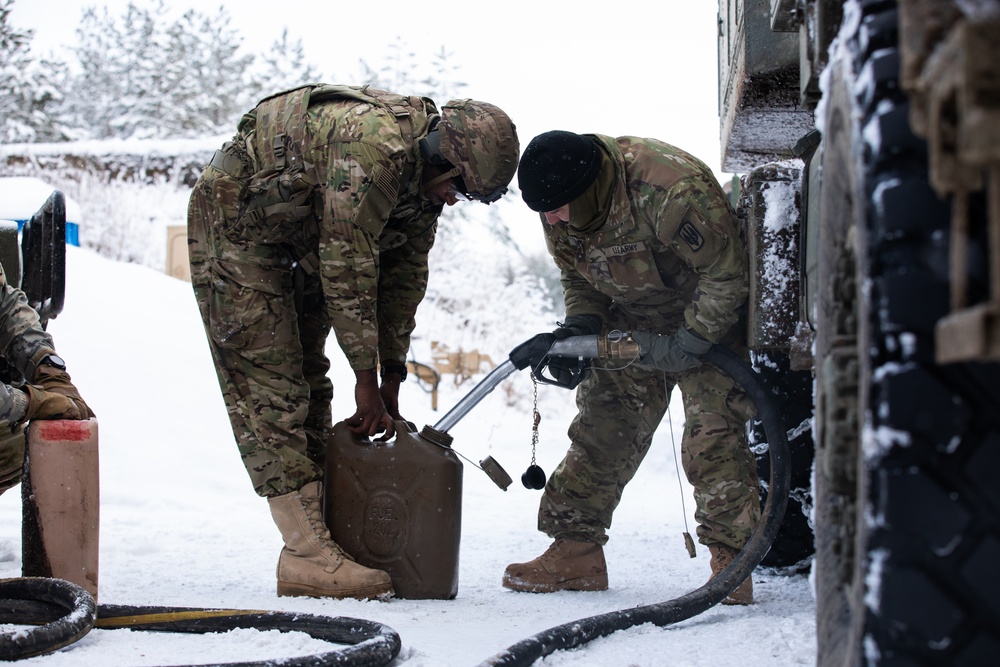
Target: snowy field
{"points": [[181, 526]]}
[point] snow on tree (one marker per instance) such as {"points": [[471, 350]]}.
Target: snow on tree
{"points": [[30, 90], [143, 76], [285, 66]]}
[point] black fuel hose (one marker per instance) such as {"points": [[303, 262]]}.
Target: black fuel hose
{"points": [[65, 613], [571, 635]]}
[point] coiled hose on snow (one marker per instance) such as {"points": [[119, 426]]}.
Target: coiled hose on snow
{"points": [[571, 635], [67, 612]]}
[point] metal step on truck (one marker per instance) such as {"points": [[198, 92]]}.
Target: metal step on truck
{"points": [[866, 135]]}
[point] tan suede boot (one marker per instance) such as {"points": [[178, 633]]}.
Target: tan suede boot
{"points": [[722, 556], [565, 566], [311, 563]]}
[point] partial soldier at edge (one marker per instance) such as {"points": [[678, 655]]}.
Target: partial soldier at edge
{"points": [[28, 352]]}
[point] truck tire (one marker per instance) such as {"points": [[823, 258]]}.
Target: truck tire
{"points": [[837, 366], [907, 507]]}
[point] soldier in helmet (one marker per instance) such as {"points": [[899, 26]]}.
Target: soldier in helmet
{"points": [[647, 242], [320, 214]]}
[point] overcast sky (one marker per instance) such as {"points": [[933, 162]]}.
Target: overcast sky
{"points": [[640, 68]]}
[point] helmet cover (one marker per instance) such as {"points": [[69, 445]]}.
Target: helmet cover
{"points": [[480, 140]]}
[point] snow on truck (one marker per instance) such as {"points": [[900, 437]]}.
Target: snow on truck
{"points": [[34, 232], [867, 137]]}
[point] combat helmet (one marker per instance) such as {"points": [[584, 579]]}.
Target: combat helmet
{"points": [[479, 142]]}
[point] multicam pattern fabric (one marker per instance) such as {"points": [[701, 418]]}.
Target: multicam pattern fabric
{"points": [[619, 411], [24, 343], [668, 252], [482, 142], [357, 264], [11, 457]]}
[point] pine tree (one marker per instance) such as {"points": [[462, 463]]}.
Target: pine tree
{"points": [[443, 79], [285, 66], [144, 76], [118, 85], [30, 91], [210, 82], [401, 72]]}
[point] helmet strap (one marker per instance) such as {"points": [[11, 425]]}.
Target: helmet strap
{"points": [[437, 180]]}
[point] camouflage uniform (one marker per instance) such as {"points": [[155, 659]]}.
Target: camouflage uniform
{"points": [[23, 343], [665, 250], [270, 290]]}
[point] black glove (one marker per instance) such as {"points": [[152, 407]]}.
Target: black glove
{"points": [[532, 351], [675, 353], [565, 372], [578, 325]]}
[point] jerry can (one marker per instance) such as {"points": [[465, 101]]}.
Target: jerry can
{"points": [[61, 497], [397, 506]]}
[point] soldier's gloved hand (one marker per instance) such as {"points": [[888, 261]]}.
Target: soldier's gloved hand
{"points": [[532, 352], [52, 395], [675, 353], [578, 325], [568, 372]]}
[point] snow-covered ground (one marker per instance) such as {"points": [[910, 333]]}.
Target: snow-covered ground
{"points": [[181, 526]]}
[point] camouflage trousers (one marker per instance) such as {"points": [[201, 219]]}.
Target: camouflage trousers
{"points": [[11, 456], [619, 410], [267, 327]]}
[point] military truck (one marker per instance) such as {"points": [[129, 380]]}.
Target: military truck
{"points": [[866, 135]]}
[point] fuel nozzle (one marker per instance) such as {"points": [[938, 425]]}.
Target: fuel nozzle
{"points": [[568, 360], [615, 345]]}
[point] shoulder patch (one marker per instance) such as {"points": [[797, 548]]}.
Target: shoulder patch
{"points": [[691, 236], [386, 181]]}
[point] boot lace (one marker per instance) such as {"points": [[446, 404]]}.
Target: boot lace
{"points": [[314, 515]]}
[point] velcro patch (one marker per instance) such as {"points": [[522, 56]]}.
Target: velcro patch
{"points": [[386, 181], [626, 248], [691, 236]]}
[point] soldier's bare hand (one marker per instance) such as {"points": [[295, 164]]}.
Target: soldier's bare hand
{"points": [[390, 395], [371, 416]]}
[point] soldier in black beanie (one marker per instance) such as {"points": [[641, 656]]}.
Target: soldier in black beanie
{"points": [[556, 168], [647, 242]]}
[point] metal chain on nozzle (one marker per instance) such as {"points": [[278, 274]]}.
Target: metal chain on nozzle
{"points": [[534, 476]]}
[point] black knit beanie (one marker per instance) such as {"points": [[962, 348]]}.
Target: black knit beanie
{"points": [[556, 168]]}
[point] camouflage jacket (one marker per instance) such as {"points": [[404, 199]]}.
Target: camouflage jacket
{"points": [[23, 342], [669, 250], [374, 226]]}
